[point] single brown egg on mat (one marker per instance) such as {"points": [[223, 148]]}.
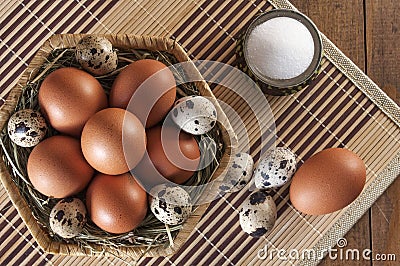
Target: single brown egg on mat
{"points": [[328, 181]]}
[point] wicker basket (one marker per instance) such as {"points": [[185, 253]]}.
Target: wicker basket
{"points": [[39, 233]]}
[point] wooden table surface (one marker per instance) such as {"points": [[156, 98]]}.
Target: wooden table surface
{"points": [[368, 32]]}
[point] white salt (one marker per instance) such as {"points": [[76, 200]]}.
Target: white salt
{"points": [[280, 48]]}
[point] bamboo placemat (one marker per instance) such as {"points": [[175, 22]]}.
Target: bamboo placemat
{"points": [[342, 108]]}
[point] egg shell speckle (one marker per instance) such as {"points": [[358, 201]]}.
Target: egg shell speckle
{"points": [[27, 128], [194, 114], [170, 204], [239, 173], [275, 169], [96, 55], [68, 217], [257, 215]]}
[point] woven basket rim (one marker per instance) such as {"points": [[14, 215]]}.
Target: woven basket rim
{"points": [[119, 41]]}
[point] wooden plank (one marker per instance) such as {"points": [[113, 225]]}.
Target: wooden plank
{"points": [[343, 23], [383, 52], [383, 37]]}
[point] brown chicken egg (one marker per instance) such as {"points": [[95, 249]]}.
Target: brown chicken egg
{"points": [[113, 141], [68, 97], [155, 97], [171, 154], [116, 204], [328, 181], [56, 167]]}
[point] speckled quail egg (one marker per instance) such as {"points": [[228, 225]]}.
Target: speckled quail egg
{"points": [[194, 114], [68, 217], [258, 214], [27, 128], [240, 170], [170, 204], [96, 55], [275, 169]]}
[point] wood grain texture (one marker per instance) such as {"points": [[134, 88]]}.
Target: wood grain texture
{"points": [[342, 22], [383, 37], [367, 32], [383, 52]]}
